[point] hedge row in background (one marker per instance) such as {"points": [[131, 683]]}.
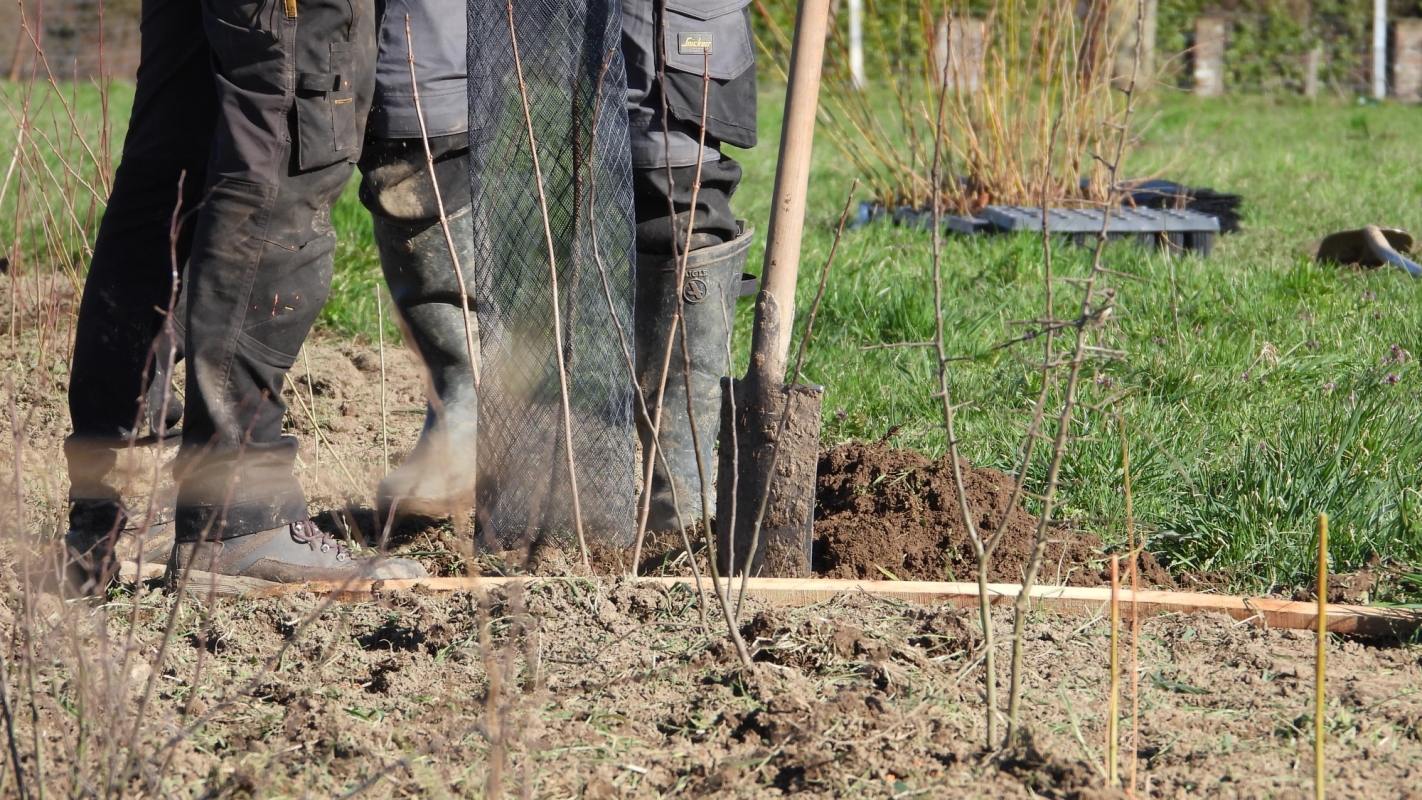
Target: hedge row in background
{"points": [[1268, 39]]}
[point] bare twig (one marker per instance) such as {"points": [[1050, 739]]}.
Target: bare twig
{"points": [[721, 590], [553, 278], [641, 404], [384, 420], [1094, 309], [981, 552]]}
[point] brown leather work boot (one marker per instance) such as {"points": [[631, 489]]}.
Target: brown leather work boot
{"points": [[293, 553]]}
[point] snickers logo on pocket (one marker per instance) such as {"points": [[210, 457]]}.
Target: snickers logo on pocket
{"points": [[693, 44]]}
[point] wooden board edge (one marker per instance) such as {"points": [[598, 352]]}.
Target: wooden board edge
{"points": [[1072, 600]]}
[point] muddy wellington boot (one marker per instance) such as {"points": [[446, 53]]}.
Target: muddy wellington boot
{"points": [[438, 477], [293, 553], [709, 291]]}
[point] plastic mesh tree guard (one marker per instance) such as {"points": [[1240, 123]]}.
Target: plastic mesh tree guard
{"points": [[571, 72]]}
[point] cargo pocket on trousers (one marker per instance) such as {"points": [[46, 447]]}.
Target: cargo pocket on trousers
{"points": [[328, 130], [711, 38]]}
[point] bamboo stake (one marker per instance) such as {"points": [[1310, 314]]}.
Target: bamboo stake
{"points": [[1135, 551], [1320, 671], [1113, 704]]}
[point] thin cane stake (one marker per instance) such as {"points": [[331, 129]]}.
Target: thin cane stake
{"points": [[1113, 703], [1320, 669], [384, 425], [1135, 609], [553, 275]]}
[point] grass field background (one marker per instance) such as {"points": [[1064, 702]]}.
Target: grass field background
{"points": [[1260, 388]]}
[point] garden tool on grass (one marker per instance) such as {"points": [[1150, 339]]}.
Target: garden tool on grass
{"points": [[1370, 246], [770, 431]]}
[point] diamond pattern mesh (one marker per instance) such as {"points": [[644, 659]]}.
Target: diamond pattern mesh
{"points": [[575, 82]]}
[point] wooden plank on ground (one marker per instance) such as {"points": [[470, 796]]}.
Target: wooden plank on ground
{"points": [[1267, 612]]}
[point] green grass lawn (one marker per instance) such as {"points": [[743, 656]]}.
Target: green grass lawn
{"points": [[1260, 388]]}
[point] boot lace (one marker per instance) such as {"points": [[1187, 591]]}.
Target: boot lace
{"points": [[305, 532]]}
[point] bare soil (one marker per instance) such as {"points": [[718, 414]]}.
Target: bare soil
{"points": [[885, 513], [609, 689], [599, 688]]}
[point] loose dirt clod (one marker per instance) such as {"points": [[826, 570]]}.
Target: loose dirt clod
{"points": [[885, 513]]}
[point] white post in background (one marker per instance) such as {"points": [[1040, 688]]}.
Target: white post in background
{"points": [[856, 42], [1379, 49]]}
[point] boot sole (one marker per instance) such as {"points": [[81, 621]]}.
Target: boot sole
{"points": [[205, 584]]}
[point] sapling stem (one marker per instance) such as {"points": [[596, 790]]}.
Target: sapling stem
{"points": [[1096, 306], [764, 502], [384, 419], [553, 285], [982, 553]]}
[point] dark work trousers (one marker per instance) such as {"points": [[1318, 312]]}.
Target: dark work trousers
{"points": [[279, 113], [665, 45], [129, 286], [293, 95]]}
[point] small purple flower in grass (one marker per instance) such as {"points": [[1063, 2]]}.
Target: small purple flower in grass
{"points": [[1369, 296], [1244, 376], [1328, 387], [839, 413], [1391, 378]]}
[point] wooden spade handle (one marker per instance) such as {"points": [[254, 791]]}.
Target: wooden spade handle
{"points": [[792, 179]]}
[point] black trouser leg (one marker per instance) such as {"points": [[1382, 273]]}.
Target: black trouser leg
{"points": [[294, 93], [129, 284]]}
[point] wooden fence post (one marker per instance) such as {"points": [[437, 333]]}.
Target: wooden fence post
{"points": [[1407, 60], [1123, 25], [1208, 55], [959, 45], [1312, 65]]}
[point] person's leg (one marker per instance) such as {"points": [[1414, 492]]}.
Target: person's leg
{"points": [[438, 476], [437, 479], [295, 81], [667, 70], [121, 353]]}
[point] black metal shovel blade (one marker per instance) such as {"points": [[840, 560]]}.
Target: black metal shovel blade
{"points": [[766, 474]]}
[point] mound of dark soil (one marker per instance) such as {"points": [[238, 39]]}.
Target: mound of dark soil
{"points": [[894, 513]]}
